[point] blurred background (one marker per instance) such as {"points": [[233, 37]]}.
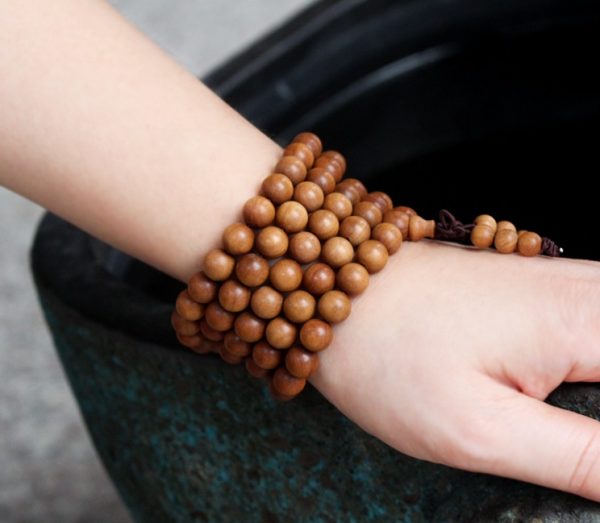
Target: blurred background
{"points": [[48, 469]]}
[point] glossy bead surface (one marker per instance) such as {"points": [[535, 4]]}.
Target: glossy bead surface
{"points": [[337, 251], [218, 265], [399, 219], [369, 211], [278, 188], [334, 306], [529, 244], [226, 356], [218, 318], [201, 288], [209, 333], [187, 308], [505, 240], [272, 242], [238, 238], [183, 326], [318, 278], [338, 204], [275, 394], [233, 296], [293, 168], [266, 302], [408, 210], [504, 224], [299, 306], [486, 219], [236, 345], [373, 255], [280, 333], [265, 356], [304, 247], [287, 384], [330, 165], [358, 185], [195, 342], [258, 212], [355, 229], [248, 327], [482, 236], [323, 224], [419, 228], [381, 199], [300, 362], [311, 140], [323, 178], [349, 190], [286, 275], [389, 235], [316, 335], [302, 152], [254, 370], [292, 216], [310, 195], [335, 156], [252, 269], [352, 278]]}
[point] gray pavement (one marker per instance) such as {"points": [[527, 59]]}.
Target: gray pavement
{"points": [[49, 471]]}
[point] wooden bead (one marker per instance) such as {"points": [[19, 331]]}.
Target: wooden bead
{"points": [[352, 278], [254, 370], [369, 211], [287, 384], [292, 216], [238, 238], [252, 270], [358, 185], [408, 210], [201, 288], [305, 247], [227, 357], [323, 224], [293, 168], [486, 219], [266, 302], [310, 195], [286, 275], [233, 296], [330, 165], [318, 278], [265, 356], [299, 306], [195, 342], [482, 236], [505, 225], [336, 157], [258, 212], [398, 218], [355, 229], [389, 235], [419, 228], [302, 152], [505, 240], [373, 255], [183, 326], [248, 327], [278, 188], [218, 265], [334, 306], [300, 362], [316, 335], [275, 394], [312, 141], [187, 308], [349, 190], [280, 333], [338, 204], [209, 333], [218, 318], [337, 251], [272, 242], [529, 244], [236, 345], [381, 199], [323, 178]]}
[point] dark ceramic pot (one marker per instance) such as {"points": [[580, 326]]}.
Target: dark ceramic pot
{"points": [[430, 100]]}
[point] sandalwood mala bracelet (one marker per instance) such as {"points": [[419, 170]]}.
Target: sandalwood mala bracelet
{"points": [[310, 241]]}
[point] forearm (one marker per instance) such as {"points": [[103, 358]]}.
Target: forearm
{"points": [[104, 129]]}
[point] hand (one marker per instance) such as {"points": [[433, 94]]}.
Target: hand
{"points": [[450, 352]]}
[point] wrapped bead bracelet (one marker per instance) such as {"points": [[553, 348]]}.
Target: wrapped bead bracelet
{"points": [[309, 242]]}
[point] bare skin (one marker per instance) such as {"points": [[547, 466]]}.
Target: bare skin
{"points": [[104, 129]]}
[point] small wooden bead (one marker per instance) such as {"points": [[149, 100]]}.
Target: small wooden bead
{"points": [[248, 327], [349, 190], [265, 356], [252, 270], [218, 265], [195, 342], [278, 188], [323, 178], [209, 333], [287, 384], [323, 224], [183, 326], [337, 251], [218, 318], [338, 204], [316, 335], [334, 306], [275, 394], [299, 306], [389, 235], [352, 278], [355, 229], [330, 165], [300, 362], [236, 345], [373, 255], [336, 157], [369, 211], [419, 228], [292, 216], [312, 141], [529, 244], [408, 210], [302, 152], [227, 357], [358, 185], [310, 195], [318, 278], [201, 288], [482, 236], [486, 219], [505, 240], [293, 168], [272, 242], [381, 199], [398, 218], [259, 212], [266, 302], [506, 225], [187, 308], [254, 370], [286, 275], [233, 296], [305, 247], [238, 238], [280, 333]]}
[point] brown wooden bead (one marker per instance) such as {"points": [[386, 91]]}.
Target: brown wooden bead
{"points": [[209, 333], [323, 178], [323, 224], [486, 219], [254, 370], [278, 188], [280, 333], [302, 152], [419, 228], [286, 275], [275, 394], [259, 212], [195, 342], [293, 168], [233, 296], [228, 357], [238, 238], [218, 318], [300, 362], [187, 308], [338, 204], [252, 270], [201, 288], [310, 195], [330, 165], [504, 224], [218, 265], [335, 156], [337, 251], [505, 240], [349, 190], [272, 242], [248, 327], [482, 236], [266, 302], [265, 356], [316, 335], [183, 326], [389, 235], [236, 345], [398, 218], [352, 278], [358, 185], [529, 244], [373, 255], [369, 211], [287, 384], [355, 229], [299, 306], [292, 216], [381, 199], [408, 210], [305, 247], [318, 278], [312, 141], [334, 306]]}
